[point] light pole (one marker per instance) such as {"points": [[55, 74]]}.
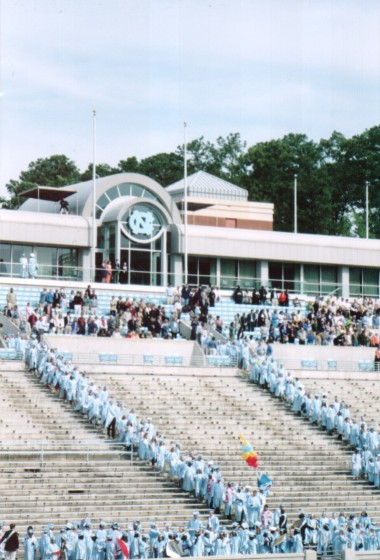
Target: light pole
{"points": [[295, 204], [366, 210], [185, 201], [93, 243]]}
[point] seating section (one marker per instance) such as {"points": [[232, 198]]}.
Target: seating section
{"points": [[55, 466], [311, 470], [82, 475]]}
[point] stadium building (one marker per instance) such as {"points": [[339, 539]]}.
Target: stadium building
{"points": [[228, 239]]}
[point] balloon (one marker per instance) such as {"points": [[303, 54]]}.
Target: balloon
{"points": [[249, 454], [252, 461], [247, 448]]}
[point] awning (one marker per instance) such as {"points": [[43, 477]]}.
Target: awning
{"points": [[54, 194]]}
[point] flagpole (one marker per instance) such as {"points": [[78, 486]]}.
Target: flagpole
{"points": [[185, 201], [93, 244]]}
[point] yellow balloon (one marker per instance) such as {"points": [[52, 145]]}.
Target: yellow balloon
{"points": [[249, 454]]}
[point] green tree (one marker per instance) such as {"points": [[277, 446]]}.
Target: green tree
{"points": [[269, 170], [102, 170], [223, 159], [163, 168], [54, 171], [129, 165]]}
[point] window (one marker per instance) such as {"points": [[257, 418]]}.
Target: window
{"points": [[201, 271], [284, 276], [321, 280], [364, 282]]}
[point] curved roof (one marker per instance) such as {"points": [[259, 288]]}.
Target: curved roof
{"points": [[115, 210], [204, 185], [81, 202]]}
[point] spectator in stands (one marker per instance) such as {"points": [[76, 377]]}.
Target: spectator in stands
{"points": [[23, 266], [123, 276], [377, 359], [108, 270], [77, 303], [11, 300], [219, 324], [81, 322], [237, 295], [116, 271], [32, 266], [263, 295], [169, 292]]}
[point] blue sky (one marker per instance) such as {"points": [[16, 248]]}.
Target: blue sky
{"points": [[262, 68]]}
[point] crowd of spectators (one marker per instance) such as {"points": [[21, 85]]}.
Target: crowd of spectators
{"points": [[322, 321], [325, 321]]}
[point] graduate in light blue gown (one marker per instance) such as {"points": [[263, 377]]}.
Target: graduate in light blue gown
{"points": [[218, 495], [315, 409], [30, 545], [188, 477]]}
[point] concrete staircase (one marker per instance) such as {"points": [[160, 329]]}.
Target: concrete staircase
{"points": [[208, 413], [79, 473], [84, 475]]}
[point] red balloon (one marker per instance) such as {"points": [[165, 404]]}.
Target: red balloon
{"points": [[252, 462]]}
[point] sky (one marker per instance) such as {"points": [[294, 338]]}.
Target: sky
{"points": [[263, 68]]}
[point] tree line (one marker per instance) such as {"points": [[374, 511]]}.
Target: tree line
{"points": [[331, 176]]}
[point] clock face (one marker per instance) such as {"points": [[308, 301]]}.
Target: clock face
{"points": [[142, 223]]}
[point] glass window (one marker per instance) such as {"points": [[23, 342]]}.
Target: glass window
{"points": [[103, 201], [140, 267], [125, 189], [329, 280], [68, 264], [5, 259], [311, 279], [228, 273], [275, 275], [201, 271], [148, 194], [47, 261], [17, 252], [292, 277], [137, 190], [284, 276], [370, 282], [247, 273], [364, 282], [113, 193], [192, 271], [355, 281]]}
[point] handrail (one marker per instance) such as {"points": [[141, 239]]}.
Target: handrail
{"points": [[42, 453], [308, 363], [168, 359]]}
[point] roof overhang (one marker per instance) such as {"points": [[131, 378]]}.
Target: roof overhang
{"points": [[54, 194]]}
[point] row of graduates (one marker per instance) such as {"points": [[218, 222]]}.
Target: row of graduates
{"points": [[191, 473], [80, 541], [332, 417]]}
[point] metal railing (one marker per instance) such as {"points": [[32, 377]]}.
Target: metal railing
{"points": [[43, 449], [329, 365], [169, 360]]}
